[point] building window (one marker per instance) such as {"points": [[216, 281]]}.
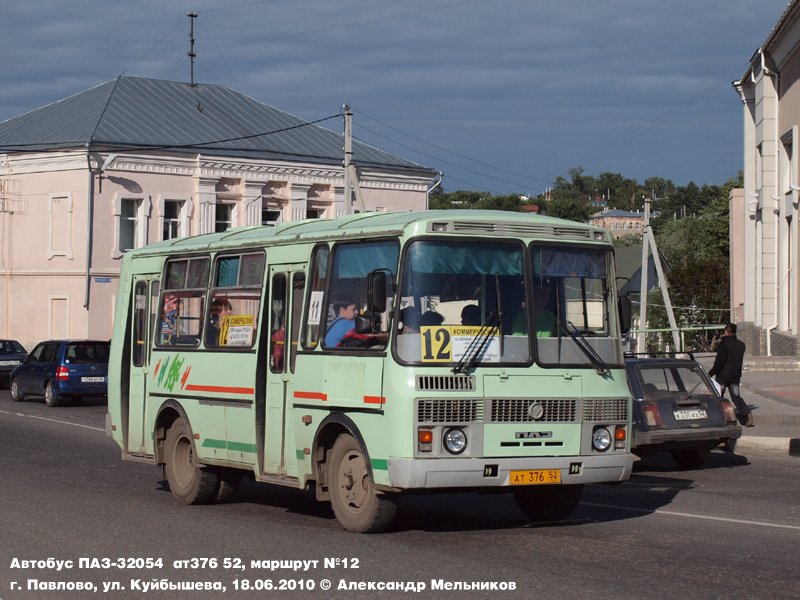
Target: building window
{"points": [[129, 224], [271, 215], [172, 229], [60, 225], [223, 217], [314, 213]]}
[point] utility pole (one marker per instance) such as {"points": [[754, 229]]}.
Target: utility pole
{"points": [[350, 173], [649, 244], [192, 54]]}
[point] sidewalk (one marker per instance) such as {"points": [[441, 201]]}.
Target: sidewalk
{"points": [[771, 386]]}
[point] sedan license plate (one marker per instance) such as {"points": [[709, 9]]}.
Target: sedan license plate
{"points": [[92, 379], [8, 363], [691, 415], [538, 477]]}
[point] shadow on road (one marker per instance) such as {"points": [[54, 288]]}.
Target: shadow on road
{"points": [[651, 487]]}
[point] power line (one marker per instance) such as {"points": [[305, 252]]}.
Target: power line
{"points": [[464, 156]]}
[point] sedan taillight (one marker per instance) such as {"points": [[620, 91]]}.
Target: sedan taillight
{"points": [[651, 415], [62, 373]]}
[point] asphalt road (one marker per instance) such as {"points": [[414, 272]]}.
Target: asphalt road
{"points": [[728, 530]]}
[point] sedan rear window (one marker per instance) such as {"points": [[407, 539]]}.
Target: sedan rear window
{"points": [[11, 347], [87, 353]]}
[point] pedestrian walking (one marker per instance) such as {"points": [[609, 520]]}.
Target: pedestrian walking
{"points": [[727, 370]]}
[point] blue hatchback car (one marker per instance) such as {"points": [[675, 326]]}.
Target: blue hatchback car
{"points": [[62, 369]]}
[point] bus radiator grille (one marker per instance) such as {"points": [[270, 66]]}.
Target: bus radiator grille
{"points": [[450, 411], [445, 383], [605, 409], [518, 410]]}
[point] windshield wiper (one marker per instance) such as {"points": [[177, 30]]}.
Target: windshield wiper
{"points": [[479, 342], [597, 362]]}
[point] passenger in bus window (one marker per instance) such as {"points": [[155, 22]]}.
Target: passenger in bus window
{"points": [[220, 307], [431, 318], [344, 322], [471, 315]]}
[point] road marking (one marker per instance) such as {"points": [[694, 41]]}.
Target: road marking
{"points": [[18, 414], [691, 516]]}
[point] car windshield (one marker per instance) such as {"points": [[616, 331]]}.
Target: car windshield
{"points": [[87, 352], [11, 347], [668, 380]]}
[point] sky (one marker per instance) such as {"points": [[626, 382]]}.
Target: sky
{"points": [[502, 96]]}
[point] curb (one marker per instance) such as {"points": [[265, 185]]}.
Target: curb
{"points": [[776, 445]]}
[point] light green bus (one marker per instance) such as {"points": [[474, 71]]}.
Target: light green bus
{"points": [[376, 354]]}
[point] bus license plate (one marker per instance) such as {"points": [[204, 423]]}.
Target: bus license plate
{"points": [[93, 379], [539, 477]]}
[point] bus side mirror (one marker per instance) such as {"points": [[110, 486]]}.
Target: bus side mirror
{"points": [[376, 291], [624, 313]]}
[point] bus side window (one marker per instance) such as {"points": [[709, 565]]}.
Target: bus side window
{"points": [[277, 348], [316, 291], [298, 291], [235, 301], [181, 315]]}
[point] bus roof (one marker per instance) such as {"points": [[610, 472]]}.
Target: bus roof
{"points": [[475, 222]]}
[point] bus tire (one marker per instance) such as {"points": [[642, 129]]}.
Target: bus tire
{"points": [[548, 503], [189, 481], [358, 506]]}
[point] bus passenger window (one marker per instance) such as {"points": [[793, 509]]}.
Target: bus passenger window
{"points": [[235, 302]]}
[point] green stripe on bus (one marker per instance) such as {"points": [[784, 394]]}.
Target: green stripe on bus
{"points": [[241, 447], [381, 464], [234, 446], [209, 443]]}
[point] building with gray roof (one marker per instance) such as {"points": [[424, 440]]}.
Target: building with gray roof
{"points": [[134, 161]]}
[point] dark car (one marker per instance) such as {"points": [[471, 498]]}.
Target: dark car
{"points": [[676, 408], [11, 354], [62, 369]]}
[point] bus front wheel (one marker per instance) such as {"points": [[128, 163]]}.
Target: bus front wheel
{"points": [[548, 503], [189, 481], [358, 506]]}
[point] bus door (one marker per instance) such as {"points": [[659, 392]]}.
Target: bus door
{"points": [[287, 286], [143, 316]]}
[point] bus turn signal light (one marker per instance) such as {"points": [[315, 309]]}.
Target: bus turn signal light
{"points": [[620, 436], [424, 440]]}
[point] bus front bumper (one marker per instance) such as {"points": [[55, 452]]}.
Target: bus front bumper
{"points": [[494, 472]]}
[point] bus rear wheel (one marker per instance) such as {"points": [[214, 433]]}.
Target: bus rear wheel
{"points": [[358, 506], [189, 481], [548, 503]]}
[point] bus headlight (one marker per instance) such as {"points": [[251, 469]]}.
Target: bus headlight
{"points": [[455, 440], [601, 439]]}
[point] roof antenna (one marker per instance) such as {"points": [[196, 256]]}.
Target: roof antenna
{"points": [[192, 54]]}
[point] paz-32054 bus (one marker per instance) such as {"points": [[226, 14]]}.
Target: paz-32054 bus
{"points": [[375, 354]]}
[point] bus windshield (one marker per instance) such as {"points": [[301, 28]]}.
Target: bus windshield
{"points": [[454, 292], [574, 320]]}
